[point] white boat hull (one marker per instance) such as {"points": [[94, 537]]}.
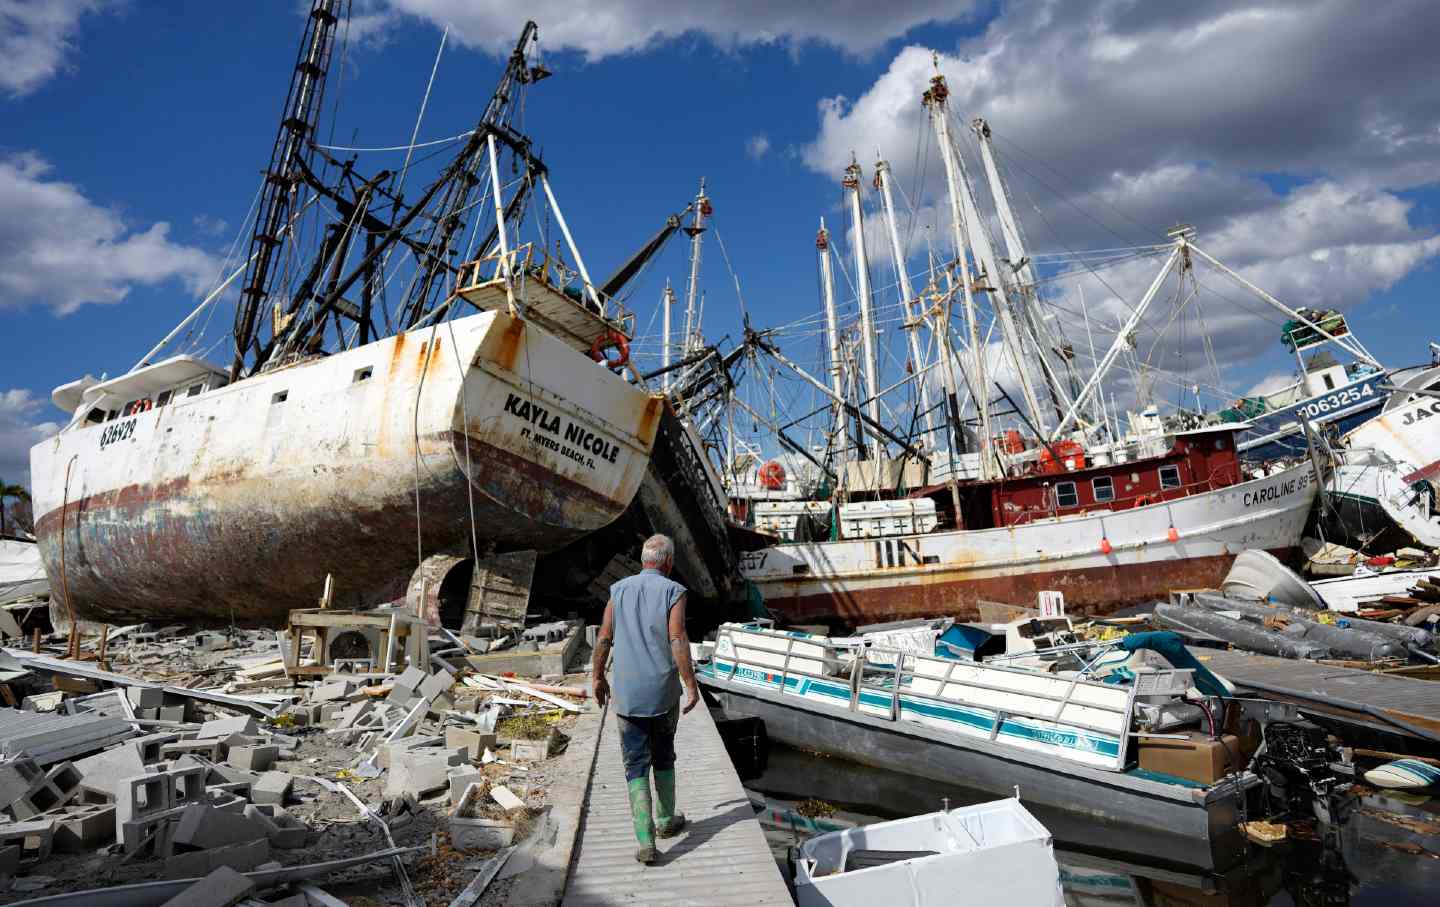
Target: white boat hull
{"points": [[235, 504], [949, 573]]}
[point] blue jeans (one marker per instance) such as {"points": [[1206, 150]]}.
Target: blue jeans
{"points": [[648, 741]]}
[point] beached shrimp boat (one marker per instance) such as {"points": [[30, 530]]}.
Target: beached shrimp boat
{"points": [[354, 436], [1106, 535]]}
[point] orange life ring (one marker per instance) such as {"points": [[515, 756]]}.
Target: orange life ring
{"points": [[1142, 500], [611, 340]]}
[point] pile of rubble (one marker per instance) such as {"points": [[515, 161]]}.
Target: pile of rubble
{"points": [[245, 767]]}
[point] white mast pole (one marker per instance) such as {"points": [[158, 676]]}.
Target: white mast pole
{"points": [[1117, 346], [832, 326], [862, 292], [907, 296], [1019, 262], [696, 230], [667, 302], [565, 231], [934, 99], [505, 263]]}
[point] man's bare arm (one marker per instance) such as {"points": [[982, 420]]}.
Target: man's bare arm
{"points": [[680, 648], [603, 642]]}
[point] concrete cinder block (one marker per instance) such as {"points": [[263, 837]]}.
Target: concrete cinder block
{"points": [[189, 784], [473, 742], [224, 727], [416, 774], [222, 887], [34, 838], [9, 860], [150, 745], [100, 771], [271, 788], [170, 713], [82, 828], [253, 758], [146, 697], [528, 750], [284, 831], [461, 779], [143, 795], [434, 686], [203, 827], [208, 747], [330, 692], [16, 777], [410, 679]]}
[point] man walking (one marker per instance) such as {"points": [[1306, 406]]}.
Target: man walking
{"points": [[645, 623]]}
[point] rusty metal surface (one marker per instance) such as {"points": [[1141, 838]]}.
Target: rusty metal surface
{"points": [[721, 859], [235, 504], [1096, 590]]}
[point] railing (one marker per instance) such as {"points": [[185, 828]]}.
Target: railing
{"points": [[1220, 477], [521, 264], [891, 681]]}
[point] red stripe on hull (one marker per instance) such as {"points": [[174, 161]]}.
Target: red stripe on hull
{"points": [[1096, 590]]}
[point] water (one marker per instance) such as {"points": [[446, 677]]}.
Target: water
{"points": [[1385, 854]]}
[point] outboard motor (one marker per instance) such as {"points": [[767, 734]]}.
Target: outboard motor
{"points": [[1295, 762]]}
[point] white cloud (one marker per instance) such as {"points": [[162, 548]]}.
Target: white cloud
{"points": [[1115, 120], [59, 249], [1275, 381], [36, 36], [21, 428], [757, 147], [603, 29]]}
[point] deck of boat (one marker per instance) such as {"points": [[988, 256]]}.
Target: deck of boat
{"points": [[1388, 702], [721, 858]]}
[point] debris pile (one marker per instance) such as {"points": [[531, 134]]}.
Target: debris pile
{"points": [[250, 766]]}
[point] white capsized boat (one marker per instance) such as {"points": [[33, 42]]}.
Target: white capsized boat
{"points": [[984, 854]]}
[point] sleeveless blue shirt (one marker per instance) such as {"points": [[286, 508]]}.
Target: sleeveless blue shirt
{"points": [[644, 679]]}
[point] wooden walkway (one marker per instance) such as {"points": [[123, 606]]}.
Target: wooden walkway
{"points": [[722, 856], [1403, 705]]}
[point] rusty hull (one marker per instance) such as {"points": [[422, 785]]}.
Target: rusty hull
{"points": [[1096, 590]]}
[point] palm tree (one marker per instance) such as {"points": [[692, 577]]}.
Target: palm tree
{"points": [[7, 490]]}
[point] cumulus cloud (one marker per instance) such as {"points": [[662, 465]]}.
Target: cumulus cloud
{"points": [[51, 233], [604, 29], [1114, 121], [21, 427], [757, 147], [36, 37]]}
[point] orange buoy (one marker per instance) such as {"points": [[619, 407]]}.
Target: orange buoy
{"points": [[1105, 546], [1172, 534]]}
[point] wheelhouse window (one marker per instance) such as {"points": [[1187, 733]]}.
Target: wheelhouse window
{"points": [[1065, 495], [164, 398], [1104, 488], [195, 390], [1169, 477]]}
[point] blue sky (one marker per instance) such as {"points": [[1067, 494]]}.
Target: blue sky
{"points": [[133, 138]]}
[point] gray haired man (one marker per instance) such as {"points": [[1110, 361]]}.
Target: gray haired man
{"points": [[645, 624]]}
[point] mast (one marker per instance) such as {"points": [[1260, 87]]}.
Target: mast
{"points": [[298, 122], [907, 296], [667, 302], [1020, 267], [934, 101], [983, 250], [832, 327], [695, 231], [851, 183]]}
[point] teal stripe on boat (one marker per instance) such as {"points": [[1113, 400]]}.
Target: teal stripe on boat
{"points": [[956, 714]]}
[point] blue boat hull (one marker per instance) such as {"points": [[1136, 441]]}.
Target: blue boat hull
{"points": [[1279, 433]]}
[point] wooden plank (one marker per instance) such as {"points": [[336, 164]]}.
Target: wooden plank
{"points": [[500, 591]]}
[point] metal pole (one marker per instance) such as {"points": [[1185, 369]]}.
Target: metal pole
{"points": [[935, 101], [832, 326], [500, 222], [145, 359], [862, 292], [907, 296], [565, 231], [1110, 354], [666, 303], [696, 230]]}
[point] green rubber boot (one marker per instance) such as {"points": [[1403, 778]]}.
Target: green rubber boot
{"points": [[668, 822], [644, 823]]}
